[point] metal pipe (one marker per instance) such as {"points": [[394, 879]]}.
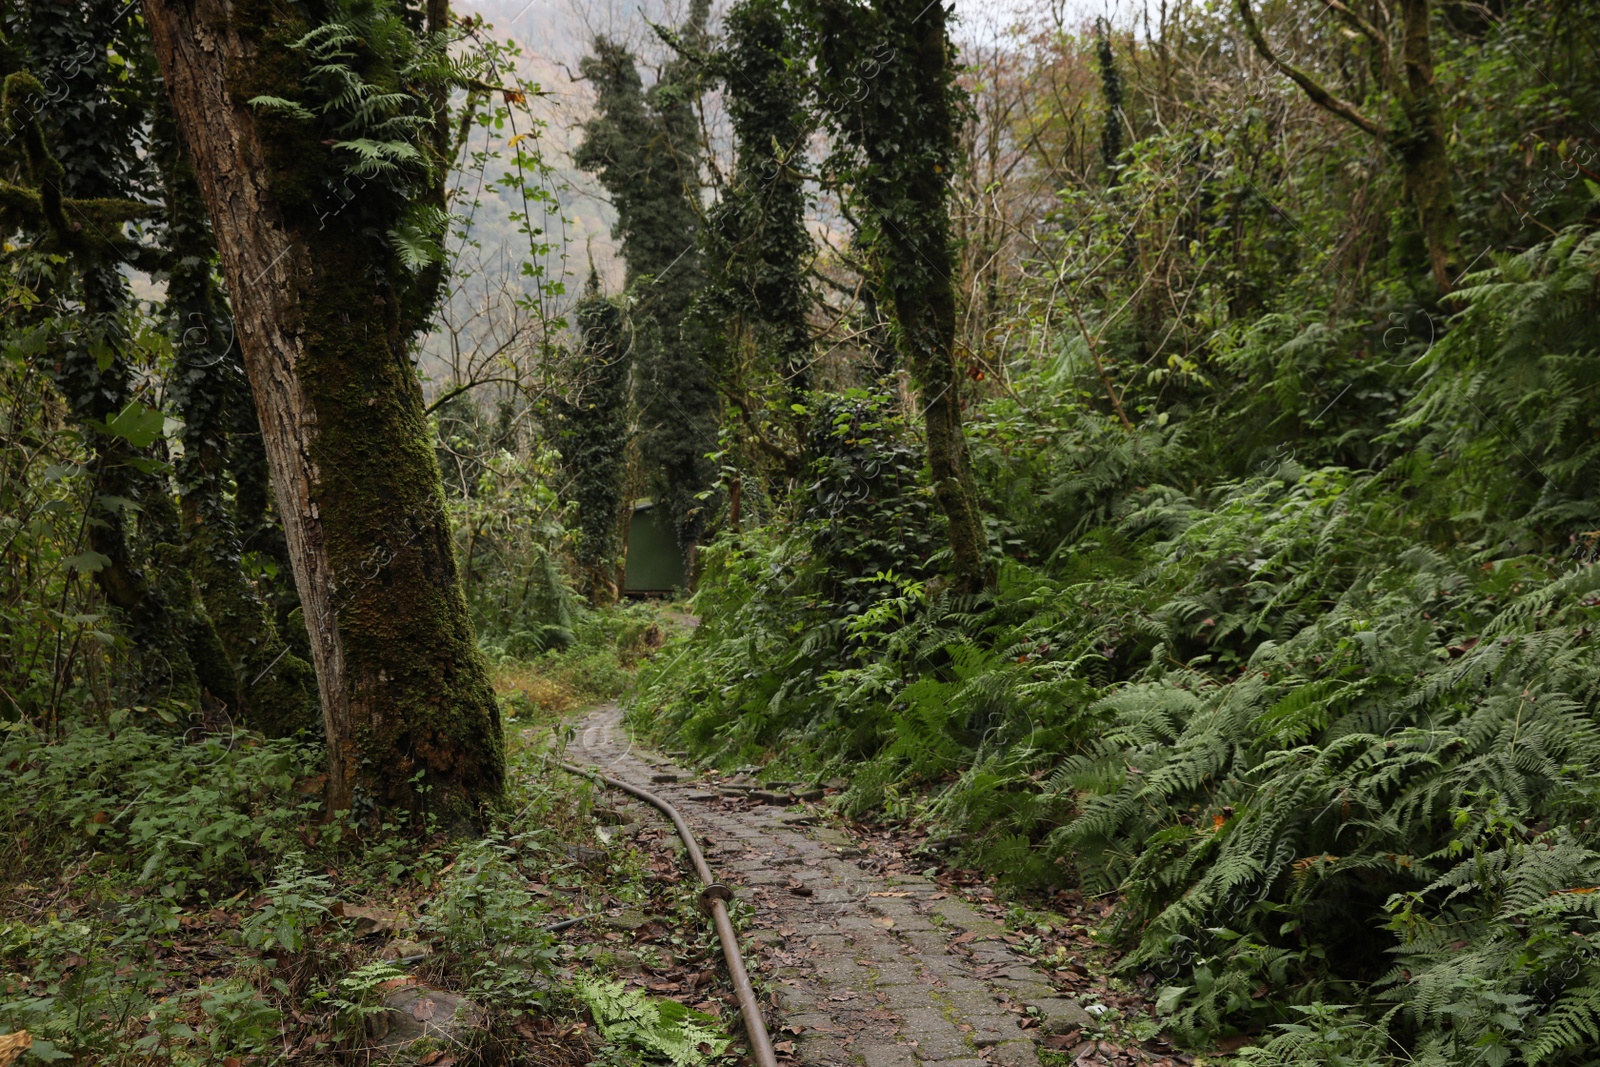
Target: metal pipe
{"points": [[713, 899]]}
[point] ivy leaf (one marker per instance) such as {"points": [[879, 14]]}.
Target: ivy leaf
{"points": [[136, 424], [86, 562]]}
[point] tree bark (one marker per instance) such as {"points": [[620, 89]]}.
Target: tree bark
{"points": [[920, 277], [1421, 146], [407, 708], [275, 691]]}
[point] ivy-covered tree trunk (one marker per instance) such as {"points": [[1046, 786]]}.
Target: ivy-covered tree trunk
{"points": [[325, 313], [593, 440], [644, 146], [889, 66], [759, 249], [1111, 100]]}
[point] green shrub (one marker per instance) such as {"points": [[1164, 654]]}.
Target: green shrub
{"points": [[206, 818], [1322, 759]]}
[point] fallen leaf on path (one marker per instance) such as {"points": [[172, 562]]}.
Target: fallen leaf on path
{"points": [[370, 920]]}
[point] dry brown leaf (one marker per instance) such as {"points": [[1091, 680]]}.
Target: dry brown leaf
{"points": [[12, 1046]]}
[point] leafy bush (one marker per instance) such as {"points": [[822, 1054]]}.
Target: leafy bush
{"points": [[204, 818], [485, 916]]}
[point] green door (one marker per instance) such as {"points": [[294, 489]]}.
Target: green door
{"points": [[654, 564]]}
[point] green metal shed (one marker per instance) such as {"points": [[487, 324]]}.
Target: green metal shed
{"points": [[654, 564]]}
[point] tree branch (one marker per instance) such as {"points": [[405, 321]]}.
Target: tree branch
{"points": [[450, 394], [1313, 89], [1366, 29]]}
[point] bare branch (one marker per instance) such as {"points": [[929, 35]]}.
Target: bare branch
{"points": [[1366, 29], [1313, 89]]}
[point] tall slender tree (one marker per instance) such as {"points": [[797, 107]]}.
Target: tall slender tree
{"points": [[1111, 100], [645, 148], [887, 83], [319, 147]]}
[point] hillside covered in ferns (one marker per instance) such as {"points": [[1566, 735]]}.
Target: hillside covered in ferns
{"points": [[1149, 452]]}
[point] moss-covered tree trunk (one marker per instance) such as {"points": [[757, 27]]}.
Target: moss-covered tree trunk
{"points": [[893, 63], [1419, 142], [324, 323]]}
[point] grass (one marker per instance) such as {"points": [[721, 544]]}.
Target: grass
{"points": [[597, 668]]}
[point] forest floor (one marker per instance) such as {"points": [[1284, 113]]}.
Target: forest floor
{"points": [[215, 916], [868, 953]]}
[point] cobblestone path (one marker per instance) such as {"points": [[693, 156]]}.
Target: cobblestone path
{"points": [[868, 970]]}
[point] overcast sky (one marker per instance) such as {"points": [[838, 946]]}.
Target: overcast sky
{"points": [[560, 30], [987, 19]]}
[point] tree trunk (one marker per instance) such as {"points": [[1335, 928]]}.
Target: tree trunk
{"points": [[1420, 144], [920, 285], [275, 690], [1416, 138], [408, 711]]}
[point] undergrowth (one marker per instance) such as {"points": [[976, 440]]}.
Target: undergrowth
{"points": [[184, 898], [1327, 733], [598, 665]]}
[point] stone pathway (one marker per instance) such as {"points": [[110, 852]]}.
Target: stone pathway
{"points": [[866, 970]]}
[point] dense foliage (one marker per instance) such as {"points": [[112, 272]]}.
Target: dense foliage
{"points": [[1158, 459], [1290, 649]]}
